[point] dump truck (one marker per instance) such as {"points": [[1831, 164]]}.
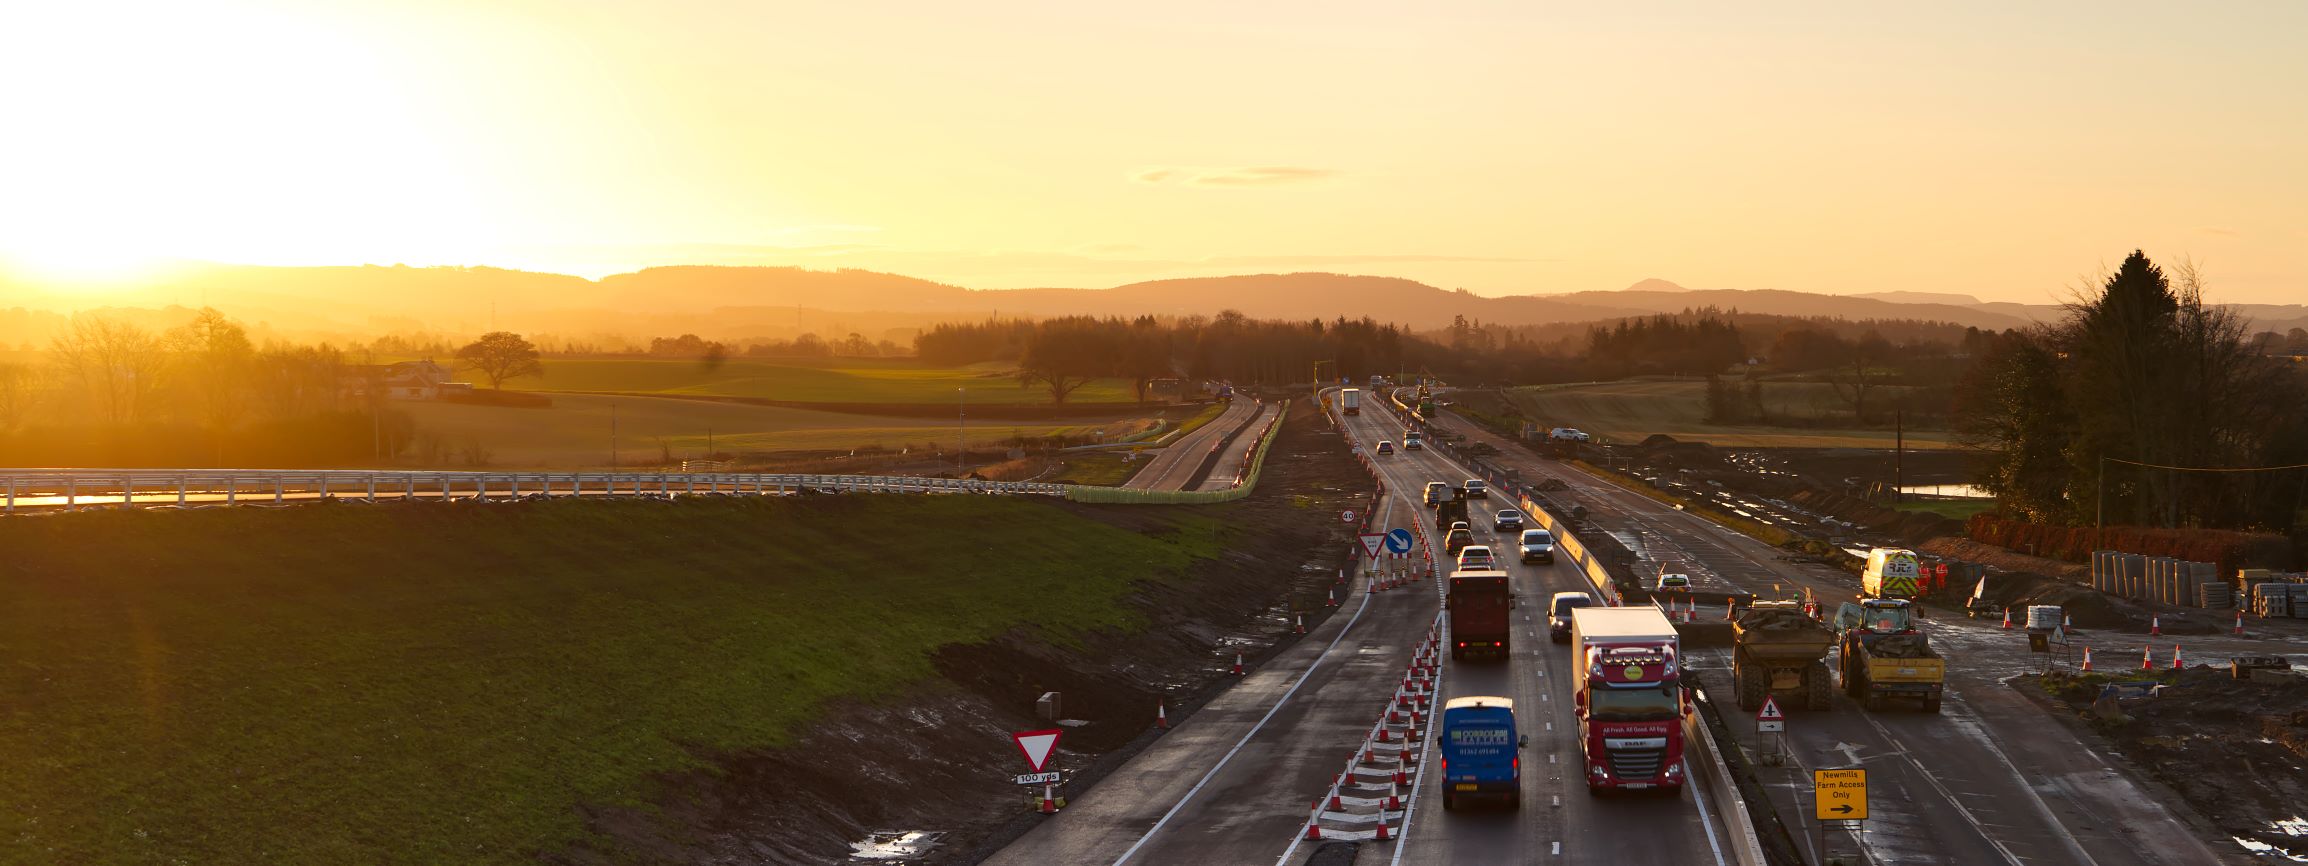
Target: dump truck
{"points": [[1881, 655], [1778, 651]]}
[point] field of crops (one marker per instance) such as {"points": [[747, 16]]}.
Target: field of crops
{"points": [[830, 380], [576, 430], [1630, 410]]}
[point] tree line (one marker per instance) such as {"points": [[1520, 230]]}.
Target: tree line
{"points": [[2141, 371]]}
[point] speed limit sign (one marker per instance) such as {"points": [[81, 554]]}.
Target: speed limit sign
{"points": [[1346, 517]]}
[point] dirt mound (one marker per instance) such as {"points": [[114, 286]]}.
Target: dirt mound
{"points": [[2229, 747], [1777, 619], [1900, 646]]}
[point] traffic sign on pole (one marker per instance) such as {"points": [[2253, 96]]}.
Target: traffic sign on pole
{"points": [[1399, 541], [1371, 542], [1839, 795], [1037, 746], [1346, 516], [1039, 778], [1770, 720]]}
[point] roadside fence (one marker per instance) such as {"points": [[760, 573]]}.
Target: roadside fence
{"points": [[73, 489]]}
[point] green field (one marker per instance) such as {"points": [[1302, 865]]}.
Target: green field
{"points": [[1959, 509], [574, 431], [1628, 411], [830, 380], [447, 684]]}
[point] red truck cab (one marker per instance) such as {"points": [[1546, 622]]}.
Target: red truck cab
{"points": [[1630, 701], [1479, 605]]}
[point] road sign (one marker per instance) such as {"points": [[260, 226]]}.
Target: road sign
{"points": [[1346, 516], [1039, 778], [1399, 541], [1371, 541], [1037, 746], [1839, 795], [1770, 720]]}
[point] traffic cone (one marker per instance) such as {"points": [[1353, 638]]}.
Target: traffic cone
{"points": [[2007, 617], [1393, 798], [1331, 600], [1407, 756], [1301, 628], [2155, 625], [1382, 834], [2087, 659], [2067, 623], [1238, 664], [1384, 735], [1313, 831], [1161, 716], [2176, 665], [1049, 801], [2147, 658], [2239, 621], [1335, 804]]}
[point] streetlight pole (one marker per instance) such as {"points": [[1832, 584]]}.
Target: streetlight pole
{"points": [[961, 428], [612, 437]]}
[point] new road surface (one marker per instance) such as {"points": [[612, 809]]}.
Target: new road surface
{"points": [[1176, 465]]}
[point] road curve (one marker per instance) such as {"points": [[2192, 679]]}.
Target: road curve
{"points": [[1173, 467]]}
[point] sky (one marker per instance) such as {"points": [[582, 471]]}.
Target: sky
{"points": [[2009, 151]]}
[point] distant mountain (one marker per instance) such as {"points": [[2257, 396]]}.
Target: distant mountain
{"points": [[740, 302]]}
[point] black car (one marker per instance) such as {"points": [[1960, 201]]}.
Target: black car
{"points": [[1538, 545], [1559, 613], [1508, 520]]}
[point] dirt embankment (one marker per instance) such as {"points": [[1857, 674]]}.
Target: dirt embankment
{"points": [[2232, 749], [939, 758]]}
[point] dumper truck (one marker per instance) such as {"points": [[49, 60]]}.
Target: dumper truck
{"points": [[1778, 651], [1881, 655]]}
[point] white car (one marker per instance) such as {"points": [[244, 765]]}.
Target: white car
{"points": [[1477, 557], [1567, 434], [1476, 489], [1385, 446]]}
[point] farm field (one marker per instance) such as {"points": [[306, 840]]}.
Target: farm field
{"points": [[575, 430], [830, 380], [453, 684], [1628, 411]]}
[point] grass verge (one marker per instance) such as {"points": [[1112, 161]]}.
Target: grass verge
{"points": [[1959, 509], [446, 684], [828, 380]]}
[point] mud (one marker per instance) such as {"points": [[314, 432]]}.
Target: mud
{"points": [[2236, 751], [939, 758]]}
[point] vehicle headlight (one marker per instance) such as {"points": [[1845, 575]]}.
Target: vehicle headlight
{"points": [[1597, 771], [1674, 771]]}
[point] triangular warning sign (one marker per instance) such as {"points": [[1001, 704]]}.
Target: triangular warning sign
{"points": [[1372, 543], [1037, 745], [1770, 711]]}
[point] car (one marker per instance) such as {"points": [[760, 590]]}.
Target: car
{"points": [[1456, 539], [1673, 577], [1385, 446], [1477, 557], [1538, 545], [1413, 441], [1508, 520], [1457, 525], [1476, 489], [1559, 610], [1567, 434], [1438, 491]]}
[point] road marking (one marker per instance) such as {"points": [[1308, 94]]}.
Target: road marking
{"points": [[1699, 793], [1558, 849], [1550, 726], [1966, 814], [1254, 729], [1558, 800], [1550, 757]]}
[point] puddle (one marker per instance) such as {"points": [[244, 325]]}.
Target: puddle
{"points": [[896, 846]]}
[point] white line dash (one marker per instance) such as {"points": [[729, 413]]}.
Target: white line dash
{"points": [[1558, 849]]}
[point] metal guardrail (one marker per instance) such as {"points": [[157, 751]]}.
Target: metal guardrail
{"points": [[72, 489]]}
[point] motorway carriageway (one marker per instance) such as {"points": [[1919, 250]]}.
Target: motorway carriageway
{"points": [[1237, 782], [1993, 779], [1175, 463]]}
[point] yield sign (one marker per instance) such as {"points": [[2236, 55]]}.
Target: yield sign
{"points": [[1037, 746], [1372, 542], [1770, 719]]}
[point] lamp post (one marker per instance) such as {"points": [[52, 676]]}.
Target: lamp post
{"points": [[961, 428]]}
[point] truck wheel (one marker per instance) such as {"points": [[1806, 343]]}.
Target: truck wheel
{"points": [[1874, 702], [1450, 801], [1817, 690], [1458, 654], [1754, 684], [1514, 799], [1931, 705]]}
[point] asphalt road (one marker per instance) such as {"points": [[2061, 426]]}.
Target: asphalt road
{"points": [[1173, 466], [1993, 779], [1235, 783], [1233, 456], [1559, 821]]}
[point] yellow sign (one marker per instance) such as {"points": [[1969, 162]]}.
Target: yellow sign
{"points": [[1839, 795]]}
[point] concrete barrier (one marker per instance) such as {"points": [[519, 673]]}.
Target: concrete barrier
{"points": [[1701, 752]]}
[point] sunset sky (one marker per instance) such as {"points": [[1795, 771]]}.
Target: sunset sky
{"points": [[2000, 149]]}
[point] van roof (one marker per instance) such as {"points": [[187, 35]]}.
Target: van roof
{"points": [[1473, 701]]}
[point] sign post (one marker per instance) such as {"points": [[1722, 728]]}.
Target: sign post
{"points": [[1037, 746], [1399, 542], [1371, 543], [1837, 795], [1346, 516], [1770, 720]]}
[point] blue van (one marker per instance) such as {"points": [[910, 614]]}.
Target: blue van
{"points": [[1479, 741]]}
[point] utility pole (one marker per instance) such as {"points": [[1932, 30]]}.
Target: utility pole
{"points": [[1898, 447], [612, 437], [2100, 511], [961, 428]]}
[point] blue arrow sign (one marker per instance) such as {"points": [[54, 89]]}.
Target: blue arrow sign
{"points": [[1398, 541]]}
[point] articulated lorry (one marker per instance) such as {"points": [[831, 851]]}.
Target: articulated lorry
{"points": [[1478, 605], [1350, 400], [1630, 700]]}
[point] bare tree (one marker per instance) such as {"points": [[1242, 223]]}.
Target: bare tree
{"points": [[118, 366], [19, 393], [1859, 373], [215, 358], [501, 355]]}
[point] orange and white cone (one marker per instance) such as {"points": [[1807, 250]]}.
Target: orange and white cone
{"points": [[2155, 625], [1238, 664], [2007, 617], [1161, 716], [2087, 658], [1382, 834], [2176, 665], [1313, 831], [2239, 621], [1300, 628], [2147, 658]]}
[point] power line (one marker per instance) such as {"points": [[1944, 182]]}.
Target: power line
{"points": [[2205, 468]]}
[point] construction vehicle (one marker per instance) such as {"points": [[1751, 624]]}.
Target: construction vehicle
{"points": [[1891, 573], [1882, 655], [1778, 651]]}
